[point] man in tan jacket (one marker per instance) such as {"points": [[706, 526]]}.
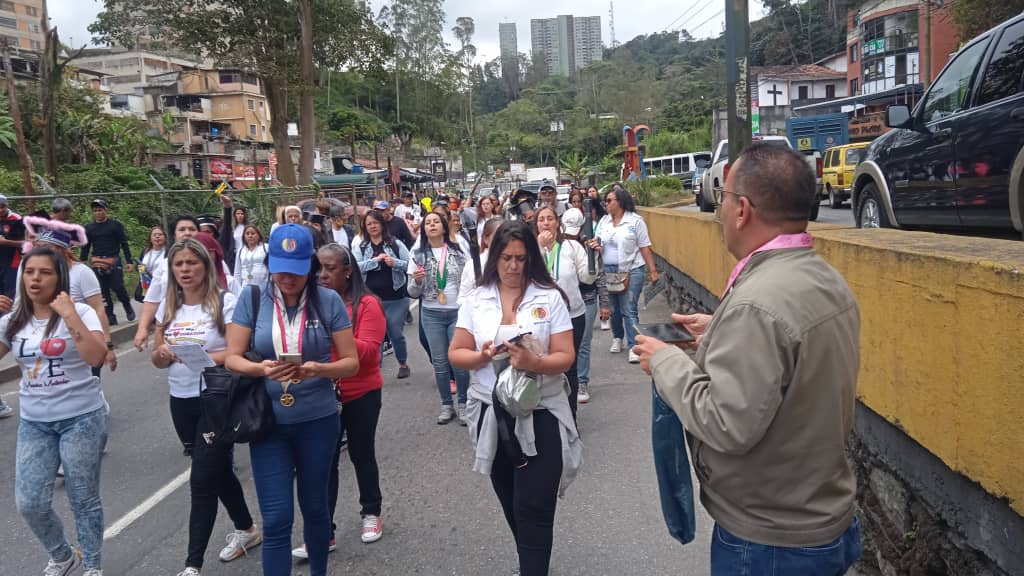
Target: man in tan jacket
{"points": [[767, 399]]}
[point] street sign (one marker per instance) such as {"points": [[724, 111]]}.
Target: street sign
{"points": [[804, 143], [517, 170]]}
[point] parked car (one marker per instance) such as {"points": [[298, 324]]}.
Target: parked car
{"points": [[837, 172], [698, 177], [956, 159], [714, 177]]}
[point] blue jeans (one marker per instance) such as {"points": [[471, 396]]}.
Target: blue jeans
{"points": [[732, 555], [439, 327], [625, 306], [77, 443], [583, 354], [295, 453], [395, 311]]}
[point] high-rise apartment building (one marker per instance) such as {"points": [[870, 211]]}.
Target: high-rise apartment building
{"points": [[20, 24], [508, 41], [567, 43]]}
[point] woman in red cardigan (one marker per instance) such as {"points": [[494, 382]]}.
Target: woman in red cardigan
{"points": [[360, 395]]}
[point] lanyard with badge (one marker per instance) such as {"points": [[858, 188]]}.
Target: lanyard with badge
{"points": [[553, 261], [287, 337], [442, 278], [780, 242]]}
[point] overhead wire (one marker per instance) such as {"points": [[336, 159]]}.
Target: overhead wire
{"points": [[685, 12]]}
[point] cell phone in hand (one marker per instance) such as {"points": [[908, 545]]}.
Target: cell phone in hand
{"points": [[513, 340], [290, 359], [666, 332]]}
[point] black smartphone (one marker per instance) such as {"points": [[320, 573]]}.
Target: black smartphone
{"points": [[513, 340], [667, 332]]}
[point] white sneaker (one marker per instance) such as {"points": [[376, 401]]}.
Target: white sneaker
{"points": [[97, 572], [373, 529], [447, 414], [302, 554], [583, 396], [64, 568], [239, 542], [5, 410], [190, 571], [616, 346], [633, 358], [606, 325], [460, 412]]}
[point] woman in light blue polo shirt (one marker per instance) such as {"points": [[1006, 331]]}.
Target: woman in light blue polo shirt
{"points": [[298, 325]]}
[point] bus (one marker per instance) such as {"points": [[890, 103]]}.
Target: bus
{"points": [[678, 165]]}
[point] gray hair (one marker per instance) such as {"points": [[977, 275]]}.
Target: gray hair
{"points": [[60, 205]]}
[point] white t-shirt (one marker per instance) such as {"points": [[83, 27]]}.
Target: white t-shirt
{"points": [[239, 232], [56, 384], [542, 313], [250, 266], [193, 325], [341, 236], [451, 288], [621, 244]]}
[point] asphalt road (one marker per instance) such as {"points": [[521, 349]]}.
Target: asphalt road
{"points": [[826, 215], [440, 518]]}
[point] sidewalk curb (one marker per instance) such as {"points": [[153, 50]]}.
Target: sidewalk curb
{"points": [[118, 335], [687, 202]]}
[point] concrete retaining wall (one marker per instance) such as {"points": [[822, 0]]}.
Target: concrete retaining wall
{"points": [[941, 409]]}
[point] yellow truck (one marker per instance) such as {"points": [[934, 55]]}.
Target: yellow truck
{"points": [[837, 171]]}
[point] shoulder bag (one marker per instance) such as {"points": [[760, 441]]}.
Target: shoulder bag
{"points": [[235, 408]]}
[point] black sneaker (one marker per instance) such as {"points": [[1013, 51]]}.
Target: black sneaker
{"points": [[111, 319], [129, 314], [403, 372]]}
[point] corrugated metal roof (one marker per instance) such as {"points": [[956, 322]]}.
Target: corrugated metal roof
{"points": [[799, 72]]}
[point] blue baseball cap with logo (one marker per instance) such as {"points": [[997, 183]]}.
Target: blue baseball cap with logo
{"points": [[291, 250]]}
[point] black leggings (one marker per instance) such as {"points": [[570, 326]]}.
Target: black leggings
{"points": [[579, 324], [528, 495], [359, 418], [213, 478]]}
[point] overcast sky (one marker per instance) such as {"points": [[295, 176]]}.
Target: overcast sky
{"points": [[702, 18]]}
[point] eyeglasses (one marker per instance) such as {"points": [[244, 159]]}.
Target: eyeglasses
{"points": [[737, 195]]}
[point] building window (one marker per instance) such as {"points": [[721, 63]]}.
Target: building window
{"points": [[34, 28], [830, 90], [7, 6], [802, 93], [9, 23], [250, 104], [853, 87], [252, 129], [229, 77], [261, 106], [264, 126], [31, 10], [853, 54], [37, 45]]}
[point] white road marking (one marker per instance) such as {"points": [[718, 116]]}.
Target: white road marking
{"points": [[128, 519]]}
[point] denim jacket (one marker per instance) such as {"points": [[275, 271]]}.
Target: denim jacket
{"points": [[367, 263]]}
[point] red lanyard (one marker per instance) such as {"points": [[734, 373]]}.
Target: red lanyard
{"points": [[284, 331], [780, 242]]}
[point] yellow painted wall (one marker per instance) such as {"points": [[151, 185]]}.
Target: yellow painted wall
{"points": [[942, 334]]}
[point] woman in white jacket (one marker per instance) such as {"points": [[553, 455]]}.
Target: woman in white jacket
{"points": [[566, 261]]}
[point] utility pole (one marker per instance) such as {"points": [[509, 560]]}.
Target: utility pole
{"points": [[737, 75], [926, 69]]}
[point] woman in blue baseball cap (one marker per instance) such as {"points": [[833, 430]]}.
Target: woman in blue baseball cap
{"points": [[297, 326]]}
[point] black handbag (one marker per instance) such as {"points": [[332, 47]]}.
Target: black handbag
{"points": [[235, 408]]}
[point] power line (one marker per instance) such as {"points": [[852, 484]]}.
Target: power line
{"points": [[713, 16], [693, 15], [685, 12]]}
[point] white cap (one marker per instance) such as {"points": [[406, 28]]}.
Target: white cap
{"points": [[572, 221]]}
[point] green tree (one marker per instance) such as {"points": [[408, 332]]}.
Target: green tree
{"points": [[260, 36], [576, 166], [7, 136], [973, 17]]}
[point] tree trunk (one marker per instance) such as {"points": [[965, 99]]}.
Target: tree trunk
{"points": [[50, 73], [307, 118], [277, 102], [23, 158]]}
